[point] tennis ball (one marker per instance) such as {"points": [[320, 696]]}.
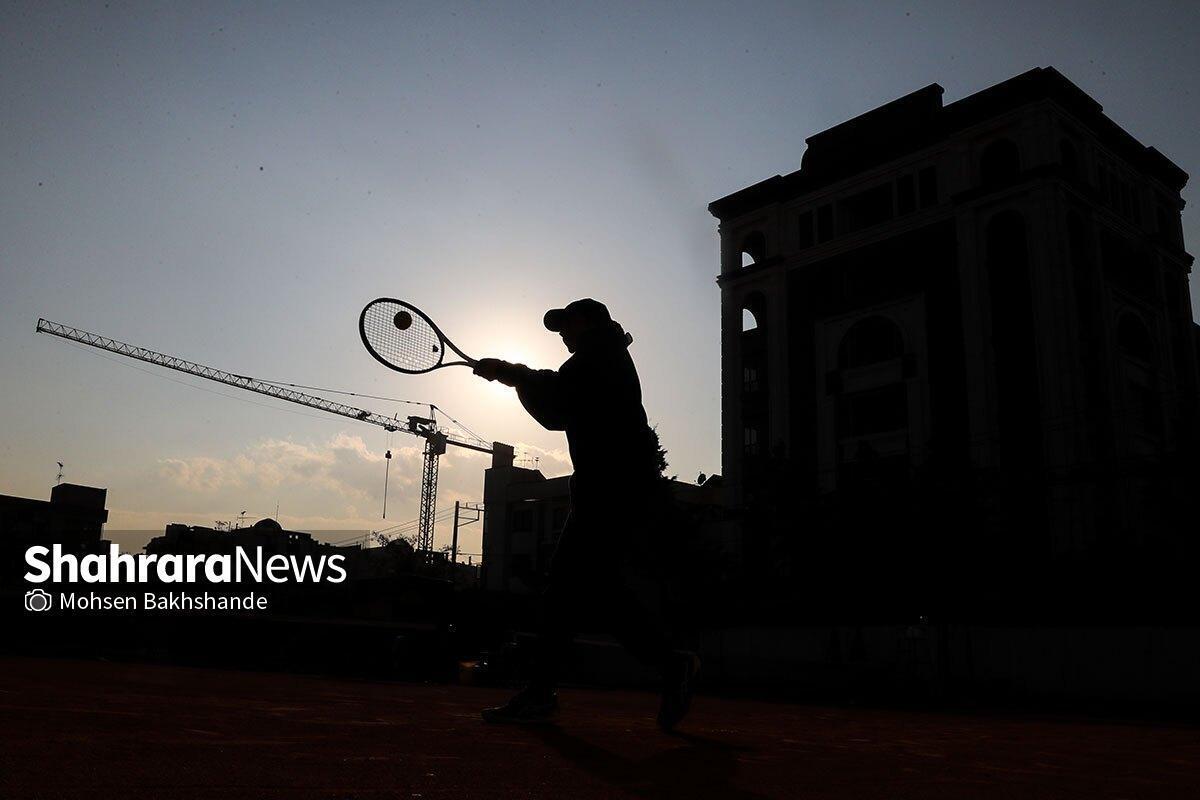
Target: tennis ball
{"points": [[402, 320]]}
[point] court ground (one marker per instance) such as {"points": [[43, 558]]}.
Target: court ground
{"points": [[109, 730]]}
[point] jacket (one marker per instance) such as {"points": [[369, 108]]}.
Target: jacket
{"points": [[596, 398]]}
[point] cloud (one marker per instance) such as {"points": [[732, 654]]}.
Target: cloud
{"points": [[551, 462], [273, 463], [334, 483], [199, 473]]}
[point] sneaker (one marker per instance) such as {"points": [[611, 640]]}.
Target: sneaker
{"points": [[679, 684], [526, 706]]}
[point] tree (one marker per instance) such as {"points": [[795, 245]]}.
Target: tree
{"points": [[660, 453]]}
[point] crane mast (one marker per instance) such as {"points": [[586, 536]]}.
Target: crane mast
{"points": [[427, 428]]}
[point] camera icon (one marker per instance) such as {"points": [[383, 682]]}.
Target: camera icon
{"points": [[38, 600]]}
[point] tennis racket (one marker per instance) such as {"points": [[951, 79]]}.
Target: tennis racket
{"points": [[403, 337]]}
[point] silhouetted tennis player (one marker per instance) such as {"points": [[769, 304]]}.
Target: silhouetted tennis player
{"points": [[605, 564]]}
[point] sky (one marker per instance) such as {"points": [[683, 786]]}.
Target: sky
{"points": [[231, 183]]}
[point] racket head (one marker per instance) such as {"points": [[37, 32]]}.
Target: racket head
{"points": [[416, 348]]}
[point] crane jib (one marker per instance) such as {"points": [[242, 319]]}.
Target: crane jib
{"points": [[249, 384], [435, 438]]}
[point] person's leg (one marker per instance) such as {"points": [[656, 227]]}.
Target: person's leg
{"points": [[558, 609], [635, 577], [558, 615], [636, 613], [644, 613], [640, 621]]}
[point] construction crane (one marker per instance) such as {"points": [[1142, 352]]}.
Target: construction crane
{"points": [[436, 438]]}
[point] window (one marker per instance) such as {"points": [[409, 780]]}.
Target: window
{"points": [[1160, 217], [1013, 343], [1000, 163], [873, 411], [750, 438], [1127, 265], [752, 348], [522, 520], [1136, 346], [750, 382], [866, 209], [825, 223], [1133, 339], [1069, 159], [906, 199], [1144, 409], [805, 233], [754, 249], [1170, 226], [870, 341], [927, 186], [1173, 231], [754, 308]]}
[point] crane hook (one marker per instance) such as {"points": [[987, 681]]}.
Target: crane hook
{"points": [[386, 468]]}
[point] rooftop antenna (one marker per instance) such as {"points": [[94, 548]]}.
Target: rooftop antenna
{"points": [[58, 480]]}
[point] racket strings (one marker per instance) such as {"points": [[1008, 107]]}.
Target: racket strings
{"points": [[416, 348]]}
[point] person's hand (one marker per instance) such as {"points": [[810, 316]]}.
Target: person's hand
{"points": [[489, 368]]}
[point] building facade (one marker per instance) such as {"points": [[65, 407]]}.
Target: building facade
{"points": [[73, 517], [960, 331]]}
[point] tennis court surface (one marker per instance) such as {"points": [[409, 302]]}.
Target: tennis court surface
{"points": [[109, 730]]}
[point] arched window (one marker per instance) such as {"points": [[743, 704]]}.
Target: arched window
{"points": [[1000, 163], [754, 310], [1133, 338], [754, 248], [870, 341], [754, 364]]}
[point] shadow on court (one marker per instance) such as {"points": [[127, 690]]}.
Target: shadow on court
{"points": [[701, 767]]}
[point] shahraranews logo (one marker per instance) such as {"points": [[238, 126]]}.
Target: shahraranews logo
{"points": [[118, 567], [115, 567]]}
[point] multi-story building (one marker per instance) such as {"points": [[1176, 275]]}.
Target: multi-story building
{"points": [[73, 517], [975, 311]]}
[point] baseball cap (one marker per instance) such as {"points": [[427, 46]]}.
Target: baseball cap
{"points": [[587, 308]]}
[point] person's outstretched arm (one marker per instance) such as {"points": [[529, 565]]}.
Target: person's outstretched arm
{"points": [[543, 392]]}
